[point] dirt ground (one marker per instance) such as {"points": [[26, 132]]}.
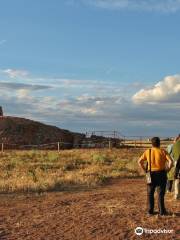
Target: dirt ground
{"points": [[105, 213]]}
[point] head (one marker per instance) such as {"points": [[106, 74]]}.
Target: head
{"points": [[177, 138], [156, 142]]}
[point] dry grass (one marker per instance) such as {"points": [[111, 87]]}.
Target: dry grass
{"points": [[27, 171]]}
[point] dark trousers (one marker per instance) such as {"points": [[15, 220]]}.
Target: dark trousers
{"points": [[159, 180], [169, 185]]}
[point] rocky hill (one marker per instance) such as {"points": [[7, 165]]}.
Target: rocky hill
{"points": [[18, 132], [21, 131]]}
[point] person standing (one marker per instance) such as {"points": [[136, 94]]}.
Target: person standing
{"points": [[156, 159], [170, 175], [176, 156]]}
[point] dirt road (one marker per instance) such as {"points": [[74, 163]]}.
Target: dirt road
{"points": [[107, 213]]}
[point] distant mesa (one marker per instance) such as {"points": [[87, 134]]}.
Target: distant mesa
{"points": [[21, 131], [16, 131]]}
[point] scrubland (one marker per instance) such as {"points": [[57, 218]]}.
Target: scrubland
{"points": [[38, 171]]}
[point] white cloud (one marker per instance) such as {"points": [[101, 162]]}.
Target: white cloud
{"points": [[99, 102], [15, 73], [18, 86], [23, 93], [81, 104], [30, 82], [91, 111], [144, 5], [167, 90]]}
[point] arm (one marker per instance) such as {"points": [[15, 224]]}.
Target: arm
{"points": [[141, 164], [170, 162], [141, 161]]}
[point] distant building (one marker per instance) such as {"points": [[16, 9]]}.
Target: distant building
{"points": [[1, 112]]}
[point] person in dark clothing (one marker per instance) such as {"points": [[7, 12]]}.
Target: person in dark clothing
{"points": [[176, 156], [158, 159], [177, 169], [170, 175], [159, 180]]}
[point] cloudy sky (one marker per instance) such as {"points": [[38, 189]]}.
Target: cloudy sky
{"points": [[92, 64]]}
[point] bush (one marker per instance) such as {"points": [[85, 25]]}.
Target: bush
{"points": [[100, 159]]}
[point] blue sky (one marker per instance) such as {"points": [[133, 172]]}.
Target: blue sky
{"points": [[92, 64]]}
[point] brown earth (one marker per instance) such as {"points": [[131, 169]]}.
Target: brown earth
{"points": [[105, 213]]}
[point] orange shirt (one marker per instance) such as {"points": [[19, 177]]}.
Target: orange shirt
{"points": [[158, 159]]}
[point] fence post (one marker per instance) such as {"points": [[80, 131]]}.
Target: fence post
{"points": [[141, 139], [2, 147], [109, 143], [58, 147]]}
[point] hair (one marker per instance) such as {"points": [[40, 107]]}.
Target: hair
{"points": [[176, 139], [155, 142]]}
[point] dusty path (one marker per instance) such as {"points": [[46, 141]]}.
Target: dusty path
{"points": [[108, 213]]}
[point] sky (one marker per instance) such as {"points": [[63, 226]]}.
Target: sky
{"points": [[88, 65]]}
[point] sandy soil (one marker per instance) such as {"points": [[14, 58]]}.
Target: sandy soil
{"points": [[107, 213]]}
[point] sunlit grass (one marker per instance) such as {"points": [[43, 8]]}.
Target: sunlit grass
{"points": [[26, 171]]}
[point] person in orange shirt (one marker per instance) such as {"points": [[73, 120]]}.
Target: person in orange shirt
{"points": [[161, 162]]}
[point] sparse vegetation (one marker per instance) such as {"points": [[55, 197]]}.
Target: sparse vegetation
{"points": [[26, 171]]}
